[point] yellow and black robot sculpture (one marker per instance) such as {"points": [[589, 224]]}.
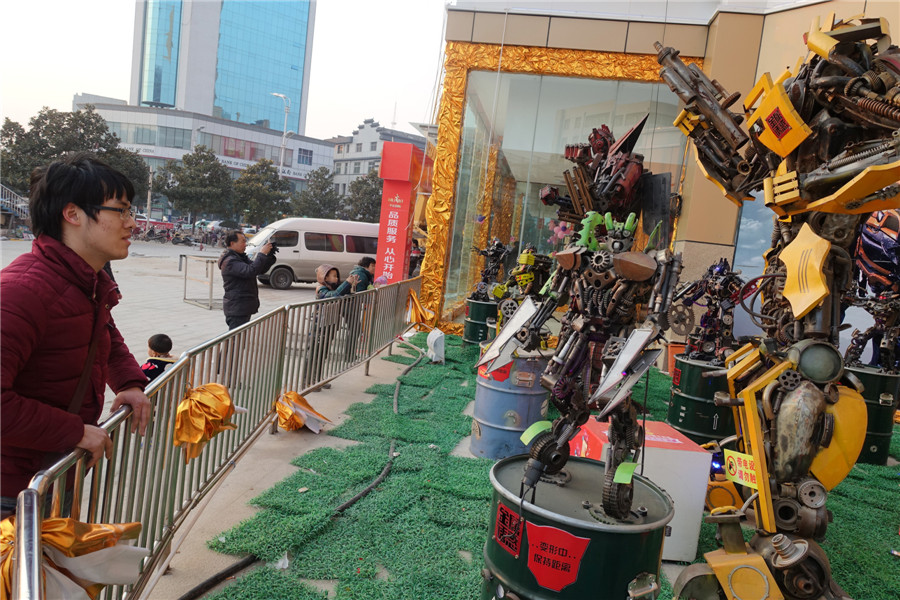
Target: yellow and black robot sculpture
{"points": [[823, 145]]}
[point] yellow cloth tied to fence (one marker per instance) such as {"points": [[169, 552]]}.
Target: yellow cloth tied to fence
{"points": [[417, 313], [79, 558], [294, 411], [205, 411]]}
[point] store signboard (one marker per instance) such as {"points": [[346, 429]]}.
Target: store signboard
{"points": [[402, 171]]}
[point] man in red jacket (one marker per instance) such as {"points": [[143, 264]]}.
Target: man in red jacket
{"points": [[55, 308]]}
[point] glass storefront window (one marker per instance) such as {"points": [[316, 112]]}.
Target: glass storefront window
{"points": [[515, 129]]}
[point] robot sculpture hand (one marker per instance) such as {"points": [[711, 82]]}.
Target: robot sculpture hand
{"points": [[603, 281], [823, 145]]}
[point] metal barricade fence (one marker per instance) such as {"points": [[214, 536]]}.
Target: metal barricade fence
{"points": [[293, 348], [202, 281]]}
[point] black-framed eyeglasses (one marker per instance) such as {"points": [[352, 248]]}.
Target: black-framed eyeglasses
{"points": [[124, 213]]}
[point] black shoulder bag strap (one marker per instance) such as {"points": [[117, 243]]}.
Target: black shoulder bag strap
{"points": [[78, 398]]}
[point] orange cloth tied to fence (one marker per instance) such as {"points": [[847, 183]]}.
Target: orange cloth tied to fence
{"points": [[70, 537], [294, 411], [205, 411]]}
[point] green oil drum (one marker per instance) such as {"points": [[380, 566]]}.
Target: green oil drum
{"points": [[477, 315], [691, 407], [881, 401], [562, 546]]}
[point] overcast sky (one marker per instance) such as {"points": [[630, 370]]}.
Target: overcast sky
{"points": [[367, 56]]}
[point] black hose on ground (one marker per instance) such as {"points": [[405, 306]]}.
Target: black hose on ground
{"points": [[205, 586]]}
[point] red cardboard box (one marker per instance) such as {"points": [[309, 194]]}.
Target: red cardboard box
{"points": [[674, 463]]}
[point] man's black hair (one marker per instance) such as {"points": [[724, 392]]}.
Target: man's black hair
{"points": [[365, 261], [160, 343], [78, 178], [232, 236]]}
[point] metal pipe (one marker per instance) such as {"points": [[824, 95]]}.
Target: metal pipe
{"points": [[27, 582]]}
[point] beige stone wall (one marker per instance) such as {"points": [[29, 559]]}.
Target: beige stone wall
{"points": [[709, 221], [782, 42], [572, 33]]}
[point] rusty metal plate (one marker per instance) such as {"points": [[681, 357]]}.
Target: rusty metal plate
{"points": [[634, 266]]}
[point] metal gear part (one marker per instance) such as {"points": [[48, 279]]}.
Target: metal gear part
{"points": [[789, 380], [812, 493], [508, 308], [602, 261], [617, 497], [546, 451], [681, 319]]}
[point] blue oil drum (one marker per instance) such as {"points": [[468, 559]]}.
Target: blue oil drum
{"points": [[507, 402], [562, 545]]}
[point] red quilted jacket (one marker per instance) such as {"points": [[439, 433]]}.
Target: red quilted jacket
{"points": [[47, 305]]}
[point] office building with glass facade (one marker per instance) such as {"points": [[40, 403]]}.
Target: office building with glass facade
{"points": [[160, 134], [225, 59]]}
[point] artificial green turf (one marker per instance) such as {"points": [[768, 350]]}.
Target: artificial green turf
{"points": [[894, 449], [420, 534], [417, 535]]}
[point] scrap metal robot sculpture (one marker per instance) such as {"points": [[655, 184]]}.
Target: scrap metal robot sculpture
{"points": [[718, 291], [823, 145], [878, 292], [494, 255], [603, 281], [527, 279]]}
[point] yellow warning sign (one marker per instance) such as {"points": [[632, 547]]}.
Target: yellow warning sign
{"points": [[740, 468]]}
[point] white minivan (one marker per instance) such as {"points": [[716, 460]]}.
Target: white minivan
{"points": [[304, 244]]}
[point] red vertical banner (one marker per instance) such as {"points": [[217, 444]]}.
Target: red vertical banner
{"points": [[401, 170]]}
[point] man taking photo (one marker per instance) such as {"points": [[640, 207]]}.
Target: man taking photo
{"points": [[239, 278]]}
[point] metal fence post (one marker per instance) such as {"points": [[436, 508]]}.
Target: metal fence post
{"points": [[27, 582]]}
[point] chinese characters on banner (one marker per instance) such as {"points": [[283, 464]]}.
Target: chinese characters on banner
{"points": [[401, 170], [740, 468], [554, 555]]}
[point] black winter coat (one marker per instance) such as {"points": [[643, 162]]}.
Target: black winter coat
{"points": [[239, 278]]}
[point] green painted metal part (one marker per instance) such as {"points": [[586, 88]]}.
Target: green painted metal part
{"points": [[615, 551], [881, 401], [691, 408], [475, 329], [587, 238]]}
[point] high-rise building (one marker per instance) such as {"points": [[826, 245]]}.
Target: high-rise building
{"points": [[232, 59]]}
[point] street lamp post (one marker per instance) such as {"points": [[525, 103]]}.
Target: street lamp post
{"points": [[194, 134], [149, 199], [287, 109]]}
